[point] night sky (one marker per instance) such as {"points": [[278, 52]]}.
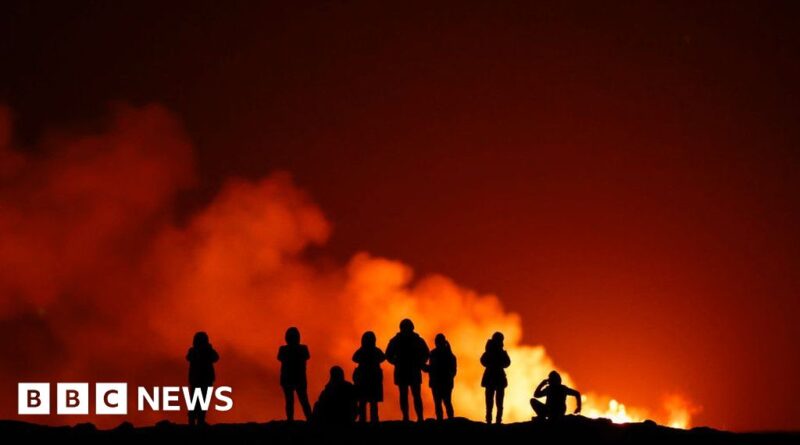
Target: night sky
{"points": [[624, 177]]}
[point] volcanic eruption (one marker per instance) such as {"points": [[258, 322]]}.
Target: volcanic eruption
{"points": [[104, 278]]}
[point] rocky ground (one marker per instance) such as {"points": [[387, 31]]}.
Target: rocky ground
{"points": [[572, 430]]}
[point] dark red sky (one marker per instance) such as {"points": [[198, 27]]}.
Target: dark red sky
{"points": [[624, 176]]}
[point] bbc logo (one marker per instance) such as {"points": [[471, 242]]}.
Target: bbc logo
{"points": [[72, 398]]}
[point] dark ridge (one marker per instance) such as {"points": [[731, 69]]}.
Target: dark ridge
{"points": [[570, 430]]}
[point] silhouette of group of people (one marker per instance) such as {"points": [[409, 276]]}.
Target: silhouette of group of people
{"points": [[342, 402]]}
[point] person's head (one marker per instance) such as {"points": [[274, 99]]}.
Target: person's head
{"points": [[498, 338], [337, 374], [200, 339], [292, 336], [554, 378], [368, 340], [406, 326], [440, 341]]}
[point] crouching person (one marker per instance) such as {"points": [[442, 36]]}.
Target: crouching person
{"points": [[337, 402], [555, 393]]}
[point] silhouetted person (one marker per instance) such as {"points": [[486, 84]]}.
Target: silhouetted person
{"points": [[201, 358], [442, 372], [495, 359], [337, 402], [368, 377], [555, 405], [293, 357], [408, 352]]}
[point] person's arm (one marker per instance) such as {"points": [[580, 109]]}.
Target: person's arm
{"points": [[390, 352], [214, 355], [189, 355], [281, 354], [381, 356], [506, 360], [485, 359], [577, 395], [425, 352], [541, 389], [455, 366], [306, 354]]}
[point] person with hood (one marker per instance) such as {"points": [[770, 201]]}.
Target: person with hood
{"points": [[368, 376], [201, 357], [441, 374], [337, 402], [495, 359], [293, 357], [408, 352]]}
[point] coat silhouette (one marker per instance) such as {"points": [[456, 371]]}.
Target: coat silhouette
{"points": [[337, 402], [495, 359], [442, 372], [201, 357], [408, 352], [556, 393], [368, 376], [293, 357]]}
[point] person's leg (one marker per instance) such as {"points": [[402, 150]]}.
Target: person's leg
{"points": [[404, 401], [201, 417], [448, 402], [362, 410], [539, 408], [302, 395], [288, 396], [201, 413], [373, 411], [437, 403], [192, 413], [501, 392], [489, 402], [416, 393]]}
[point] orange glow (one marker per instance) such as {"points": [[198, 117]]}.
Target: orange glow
{"points": [[110, 288]]}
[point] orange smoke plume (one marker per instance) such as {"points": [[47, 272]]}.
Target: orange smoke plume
{"points": [[98, 282]]}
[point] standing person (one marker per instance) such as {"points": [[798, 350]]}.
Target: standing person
{"points": [[495, 359], [293, 357], [201, 358], [442, 372], [555, 405], [368, 376], [408, 352]]}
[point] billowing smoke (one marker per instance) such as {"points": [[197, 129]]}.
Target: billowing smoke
{"points": [[98, 282]]}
